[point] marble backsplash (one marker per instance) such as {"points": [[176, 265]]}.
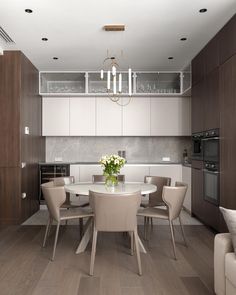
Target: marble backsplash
{"points": [[138, 149]]}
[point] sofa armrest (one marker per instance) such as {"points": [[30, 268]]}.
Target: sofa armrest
{"points": [[222, 245]]}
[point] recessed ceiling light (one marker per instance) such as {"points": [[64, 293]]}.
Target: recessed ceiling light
{"points": [[28, 10], [183, 39], [170, 57], [55, 57], [203, 10], [44, 39]]}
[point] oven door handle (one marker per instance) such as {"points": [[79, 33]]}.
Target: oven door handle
{"points": [[211, 172], [210, 138]]}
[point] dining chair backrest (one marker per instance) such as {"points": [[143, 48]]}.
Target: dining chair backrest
{"points": [[61, 181], [174, 198], [54, 196], [102, 178], [155, 198], [115, 212]]}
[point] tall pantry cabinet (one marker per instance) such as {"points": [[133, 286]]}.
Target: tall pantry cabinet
{"points": [[20, 107]]}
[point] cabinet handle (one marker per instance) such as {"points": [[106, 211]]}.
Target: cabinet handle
{"points": [[23, 195]]}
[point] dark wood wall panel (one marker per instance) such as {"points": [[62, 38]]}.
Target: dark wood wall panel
{"points": [[9, 108], [20, 106], [9, 195]]}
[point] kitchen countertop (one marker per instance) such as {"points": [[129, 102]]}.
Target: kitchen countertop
{"points": [[128, 163]]}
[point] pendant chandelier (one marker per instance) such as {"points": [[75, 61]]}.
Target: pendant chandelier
{"points": [[115, 83]]}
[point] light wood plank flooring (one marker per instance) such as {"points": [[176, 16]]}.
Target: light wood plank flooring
{"points": [[25, 268]]}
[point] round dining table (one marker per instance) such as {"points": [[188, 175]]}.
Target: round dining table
{"points": [[83, 188]]}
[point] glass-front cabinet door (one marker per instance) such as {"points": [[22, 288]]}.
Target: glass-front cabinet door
{"points": [[158, 83], [63, 82]]}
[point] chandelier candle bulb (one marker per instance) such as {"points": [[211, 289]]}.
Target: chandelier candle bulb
{"points": [[114, 84], [108, 80], [113, 70], [130, 92], [120, 82], [102, 74]]}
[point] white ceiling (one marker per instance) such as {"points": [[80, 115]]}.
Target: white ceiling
{"points": [[75, 34]]}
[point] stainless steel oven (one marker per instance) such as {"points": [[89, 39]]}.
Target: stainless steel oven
{"points": [[197, 146], [211, 179], [210, 146]]}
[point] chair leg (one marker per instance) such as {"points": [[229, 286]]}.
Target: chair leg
{"points": [[132, 243], [47, 231], [152, 223], [182, 230], [55, 242], [137, 252], [173, 239], [144, 227], [81, 227], [93, 251]]}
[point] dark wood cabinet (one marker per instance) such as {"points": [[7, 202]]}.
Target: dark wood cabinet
{"points": [[211, 103], [227, 38], [212, 54], [199, 67], [228, 133], [198, 209], [20, 106], [198, 106]]}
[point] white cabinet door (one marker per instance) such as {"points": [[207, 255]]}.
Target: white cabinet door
{"points": [[172, 171], [170, 116], [135, 172], [136, 117], [109, 117], [86, 172], [187, 179], [82, 116], [56, 116], [75, 171]]}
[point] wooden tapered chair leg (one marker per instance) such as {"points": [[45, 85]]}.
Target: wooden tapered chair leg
{"points": [[182, 230], [173, 239], [55, 242], [93, 253], [137, 252]]}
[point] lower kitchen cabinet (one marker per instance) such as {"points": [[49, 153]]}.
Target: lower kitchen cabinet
{"points": [[186, 178], [135, 172], [86, 172], [173, 171], [198, 208]]}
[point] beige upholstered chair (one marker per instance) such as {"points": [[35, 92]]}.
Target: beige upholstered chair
{"points": [[115, 213], [55, 196], [102, 178], [62, 181], [173, 198], [155, 199]]}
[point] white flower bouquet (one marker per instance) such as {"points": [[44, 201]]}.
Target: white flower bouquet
{"points": [[111, 167]]}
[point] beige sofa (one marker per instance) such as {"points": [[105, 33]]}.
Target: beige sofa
{"points": [[224, 265]]}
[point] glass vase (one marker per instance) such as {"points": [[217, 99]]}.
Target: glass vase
{"points": [[111, 180]]}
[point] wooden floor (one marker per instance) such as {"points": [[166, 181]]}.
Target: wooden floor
{"points": [[25, 268]]}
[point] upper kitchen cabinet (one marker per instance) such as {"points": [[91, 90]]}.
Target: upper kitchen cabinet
{"points": [[136, 117], [212, 54], [61, 83], [158, 83], [82, 116], [109, 117], [198, 106], [212, 110], [56, 116], [198, 67], [228, 40], [171, 117]]}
